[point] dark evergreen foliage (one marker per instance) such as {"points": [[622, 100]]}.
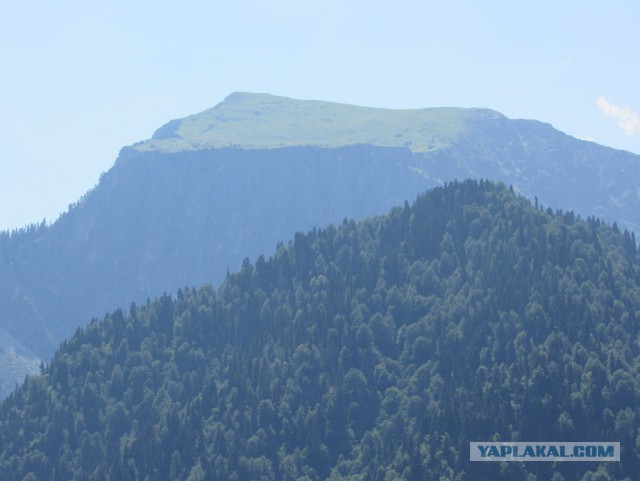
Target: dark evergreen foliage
{"points": [[369, 351]]}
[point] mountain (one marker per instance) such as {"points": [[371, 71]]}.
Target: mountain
{"points": [[368, 351], [447, 143], [209, 190], [159, 222]]}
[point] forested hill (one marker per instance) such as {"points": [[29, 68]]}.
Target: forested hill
{"points": [[368, 351]]}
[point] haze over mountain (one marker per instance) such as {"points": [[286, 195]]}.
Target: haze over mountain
{"points": [[447, 143], [368, 351], [231, 182]]}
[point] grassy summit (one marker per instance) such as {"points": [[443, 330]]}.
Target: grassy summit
{"points": [[266, 121]]}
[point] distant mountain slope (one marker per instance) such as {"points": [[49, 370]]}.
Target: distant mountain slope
{"points": [[161, 221], [17, 361], [369, 351], [183, 207], [542, 162], [449, 143]]}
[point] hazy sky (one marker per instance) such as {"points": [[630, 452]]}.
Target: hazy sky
{"points": [[79, 79]]}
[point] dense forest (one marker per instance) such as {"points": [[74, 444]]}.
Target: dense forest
{"points": [[367, 351]]}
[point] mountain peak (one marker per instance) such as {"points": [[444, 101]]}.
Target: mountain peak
{"points": [[251, 97], [260, 120]]}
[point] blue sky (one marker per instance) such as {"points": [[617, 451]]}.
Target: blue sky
{"points": [[82, 79]]}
